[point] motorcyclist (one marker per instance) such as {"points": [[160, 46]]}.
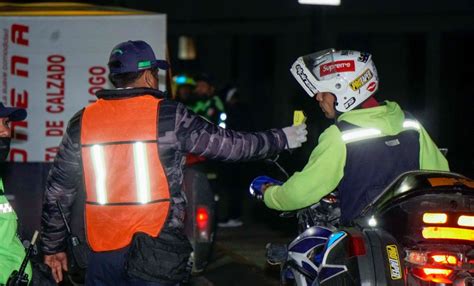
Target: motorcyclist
{"points": [[369, 144]]}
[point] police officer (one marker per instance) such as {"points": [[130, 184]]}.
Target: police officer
{"points": [[368, 146], [12, 251], [127, 152]]}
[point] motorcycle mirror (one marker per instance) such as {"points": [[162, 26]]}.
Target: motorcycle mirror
{"points": [[274, 161]]}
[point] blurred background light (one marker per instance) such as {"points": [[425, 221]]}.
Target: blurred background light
{"points": [[186, 48], [321, 2]]}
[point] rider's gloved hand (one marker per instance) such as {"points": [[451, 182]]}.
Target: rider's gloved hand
{"points": [[295, 135], [260, 184]]}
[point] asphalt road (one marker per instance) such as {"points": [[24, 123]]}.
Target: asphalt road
{"points": [[239, 254], [227, 270]]}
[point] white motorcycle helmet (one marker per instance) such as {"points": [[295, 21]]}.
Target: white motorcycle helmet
{"points": [[350, 75]]}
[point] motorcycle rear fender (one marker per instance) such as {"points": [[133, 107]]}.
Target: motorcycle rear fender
{"points": [[382, 263]]}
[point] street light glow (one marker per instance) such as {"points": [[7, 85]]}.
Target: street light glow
{"points": [[321, 2]]}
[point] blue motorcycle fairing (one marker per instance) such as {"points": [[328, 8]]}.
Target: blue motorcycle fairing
{"points": [[308, 243], [314, 231], [311, 238], [334, 237], [327, 271]]}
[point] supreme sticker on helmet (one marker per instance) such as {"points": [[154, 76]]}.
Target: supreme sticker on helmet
{"points": [[337, 66], [361, 80], [394, 262]]}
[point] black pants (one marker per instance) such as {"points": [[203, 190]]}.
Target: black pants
{"points": [[108, 268]]}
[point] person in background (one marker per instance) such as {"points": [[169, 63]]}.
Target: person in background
{"points": [[126, 152], [184, 88], [208, 104], [12, 251]]}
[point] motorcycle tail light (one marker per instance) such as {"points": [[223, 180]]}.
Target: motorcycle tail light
{"points": [[202, 218], [435, 218], [357, 246], [437, 271], [466, 220], [203, 224], [436, 275], [426, 258], [448, 233], [416, 257], [444, 259]]}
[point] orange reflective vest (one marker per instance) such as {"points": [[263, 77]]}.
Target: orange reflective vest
{"points": [[126, 186]]}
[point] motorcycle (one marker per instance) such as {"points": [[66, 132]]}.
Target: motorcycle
{"points": [[200, 220], [418, 231]]}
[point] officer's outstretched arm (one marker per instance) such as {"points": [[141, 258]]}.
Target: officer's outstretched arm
{"points": [[198, 136]]}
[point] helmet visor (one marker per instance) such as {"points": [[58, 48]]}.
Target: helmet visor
{"points": [[306, 70]]}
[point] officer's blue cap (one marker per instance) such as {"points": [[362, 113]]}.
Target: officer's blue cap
{"points": [[134, 56], [13, 113]]}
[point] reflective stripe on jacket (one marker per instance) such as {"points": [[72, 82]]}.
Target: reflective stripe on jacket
{"points": [[127, 189]]}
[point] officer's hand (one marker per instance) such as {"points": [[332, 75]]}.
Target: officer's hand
{"points": [[295, 135], [57, 262], [260, 184]]}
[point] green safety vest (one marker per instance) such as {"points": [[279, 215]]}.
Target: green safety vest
{"points": [[202, 106], [12, 251]]}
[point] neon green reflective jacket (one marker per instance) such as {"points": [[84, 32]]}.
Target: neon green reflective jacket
{"points": [[12, 251], [210, 108], [325, 168]]}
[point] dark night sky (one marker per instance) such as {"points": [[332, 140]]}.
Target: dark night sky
{"points": [[422, 49]]}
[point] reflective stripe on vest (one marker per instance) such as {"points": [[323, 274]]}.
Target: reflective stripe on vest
{"points": [[359, 134], [142, 175], [5, 208], [127, 189], [97, 155]]}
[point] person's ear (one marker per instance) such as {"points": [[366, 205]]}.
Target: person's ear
{"points": [[149, 78]]}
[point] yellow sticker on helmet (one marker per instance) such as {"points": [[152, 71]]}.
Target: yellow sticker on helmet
{"points": [[361, 80]]}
